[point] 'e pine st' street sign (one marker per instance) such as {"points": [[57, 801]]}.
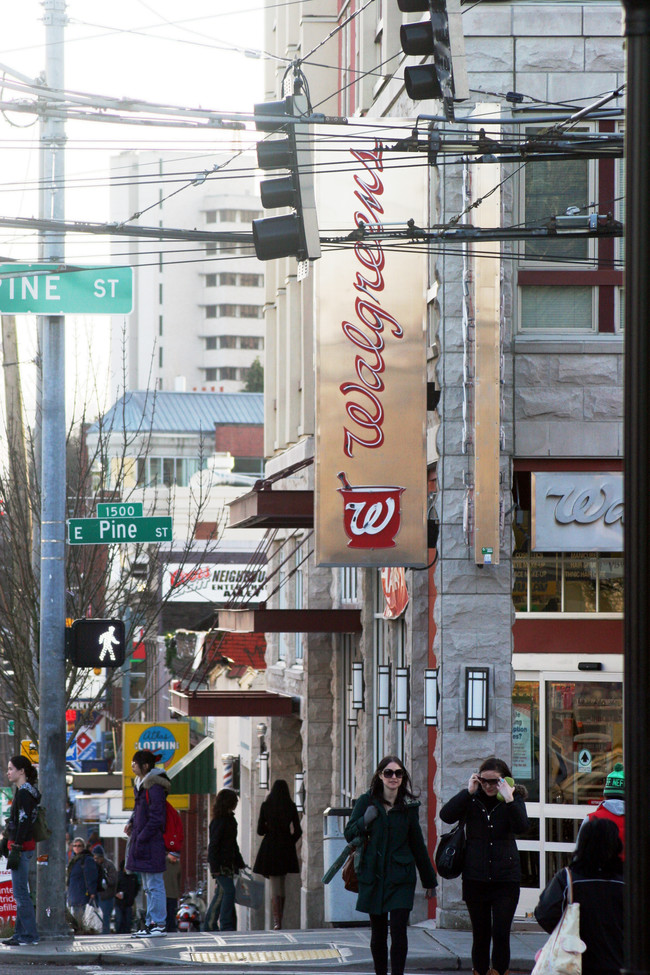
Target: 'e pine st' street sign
{"points": [[111, 531], [52, 289]]}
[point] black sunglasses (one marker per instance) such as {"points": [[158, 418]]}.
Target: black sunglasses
{"points": [[487, 781], [388, 773]]}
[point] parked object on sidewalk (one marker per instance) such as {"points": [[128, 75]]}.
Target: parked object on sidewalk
{"points": [[494, 813], [387, 818], [597, 882], [280, 829], [225, 862], [248, 891], [191, 911]]}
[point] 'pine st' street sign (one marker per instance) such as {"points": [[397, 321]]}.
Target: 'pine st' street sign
{"points": [[111, 531], [53, 289]]}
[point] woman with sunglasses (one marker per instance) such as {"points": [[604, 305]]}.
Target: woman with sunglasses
{"points": [[386, 817], [494, 812]]}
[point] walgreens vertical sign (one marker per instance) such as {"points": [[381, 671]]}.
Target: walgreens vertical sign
{"points": [[371, 366]]}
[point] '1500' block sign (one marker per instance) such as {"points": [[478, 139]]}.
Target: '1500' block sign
{"points": [[371, 374]]}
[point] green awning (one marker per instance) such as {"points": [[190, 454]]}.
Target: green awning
{"points": [[195, 772]]}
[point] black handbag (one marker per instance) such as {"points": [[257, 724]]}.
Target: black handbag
{"points": [[450, 855]]}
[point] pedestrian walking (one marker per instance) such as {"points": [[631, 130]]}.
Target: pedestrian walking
{"points": [[613, 804], [386, 818], [597, 877], [172, 880], [83, 880], [18, 846], [146, 847], [106, 886], [280, 829], [126, 892], [225, 862], [494, 812]]}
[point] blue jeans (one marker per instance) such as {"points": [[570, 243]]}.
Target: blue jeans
{"points": [[220, 915], [106, 910], [153, 885], [25, 914]]}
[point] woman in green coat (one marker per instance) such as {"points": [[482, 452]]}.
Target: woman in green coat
{"points": [[387, 818]]}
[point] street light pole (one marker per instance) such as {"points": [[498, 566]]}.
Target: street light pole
{"points": [[637, 488], [52, 729]]}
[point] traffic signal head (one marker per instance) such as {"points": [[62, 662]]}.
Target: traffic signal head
{"points": [[437, 38], [294, 234], [97, 643]]}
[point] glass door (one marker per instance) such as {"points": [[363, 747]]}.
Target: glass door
{"points": [[567, 736]]}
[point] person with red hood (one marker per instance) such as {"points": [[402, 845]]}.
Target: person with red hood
{"points": [[613, 804], [146, 852]]}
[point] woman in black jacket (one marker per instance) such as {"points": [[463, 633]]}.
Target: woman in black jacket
{"points": [[494, 812], [225, 862], [19, 846], [280, 826], [597, 875]]}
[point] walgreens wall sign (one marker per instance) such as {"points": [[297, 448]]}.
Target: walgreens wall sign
{"points": [[371, 369]]}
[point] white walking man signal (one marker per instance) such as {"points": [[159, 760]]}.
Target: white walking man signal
{"points": [[107, 641]]}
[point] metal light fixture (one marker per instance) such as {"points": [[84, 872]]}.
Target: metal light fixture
{"points": [[383, 690], [352, 711], [431, 697], [402, 693], [357, 686], [299, 793], [476, 698], [263, 765]]}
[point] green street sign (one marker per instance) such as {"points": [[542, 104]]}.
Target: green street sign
{"points": [[120, 509], [112, 531], [51, 289]]}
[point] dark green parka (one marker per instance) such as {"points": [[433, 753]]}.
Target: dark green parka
{"points": [[395, 848]]}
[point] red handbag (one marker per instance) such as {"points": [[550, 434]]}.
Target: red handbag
{"points": [[349, 874]]}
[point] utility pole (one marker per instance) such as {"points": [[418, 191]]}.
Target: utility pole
{"points": [[52, 729], [637, 486]]}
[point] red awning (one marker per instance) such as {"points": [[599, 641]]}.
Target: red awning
{"points": [[290, 620], [201, 704], [273, 509]]}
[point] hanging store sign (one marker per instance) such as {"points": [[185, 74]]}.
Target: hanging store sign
{"points": [[214, 582], [169, 739], [576, 512], [370, 507]]}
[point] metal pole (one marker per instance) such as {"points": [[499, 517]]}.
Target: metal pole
{"points": [[52, 729], [637, 486]]}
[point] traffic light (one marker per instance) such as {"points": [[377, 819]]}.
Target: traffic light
{"points": [[97, 643], [292, 234], [442, 39]]}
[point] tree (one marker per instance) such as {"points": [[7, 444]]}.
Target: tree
{"points": [[255, 378]]}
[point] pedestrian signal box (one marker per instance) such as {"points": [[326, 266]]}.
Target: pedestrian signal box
{"points": [[97, 643]]}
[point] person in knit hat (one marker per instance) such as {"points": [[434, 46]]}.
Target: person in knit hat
{"points": [[613, 804]]}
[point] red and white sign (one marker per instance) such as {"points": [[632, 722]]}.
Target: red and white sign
{"points": [[83, 741], [7, 902], [396, 596], [370, 507]]}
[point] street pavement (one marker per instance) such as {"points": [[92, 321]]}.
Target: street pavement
{"points": [[346, 949]]}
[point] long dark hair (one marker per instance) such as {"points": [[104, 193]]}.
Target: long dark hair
{"points": [[279, 799], [145, 757], [599, 848], [405, 790], [24, 765], [226, 802]]}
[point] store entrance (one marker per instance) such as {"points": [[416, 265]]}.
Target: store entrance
{"points": [[567, 736]]}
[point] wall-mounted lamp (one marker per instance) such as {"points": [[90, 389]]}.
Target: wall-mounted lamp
{"points": [[476, 698], [352, 711], [383, 690], [263, 765], [402, 693], [431, 697], [299, 793], [357, 685]]}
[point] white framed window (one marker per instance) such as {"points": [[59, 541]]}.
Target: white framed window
{"points": [[557, 308]]}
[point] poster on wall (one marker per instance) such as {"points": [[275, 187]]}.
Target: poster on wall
{"points": [[169, 739], [522, 742], [371, 493]]}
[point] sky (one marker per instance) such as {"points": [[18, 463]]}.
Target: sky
{"points": [[160, 51]]}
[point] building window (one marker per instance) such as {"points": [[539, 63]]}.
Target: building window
{"points": [[210, 216], [160, 324], [227, 216], [227, 341], [211, 343], [153, 471], [556, 307], [211, 375], [160, 356], [550, 187], [227, 278], [300, 557], [227, 311], [211, 280], [160, 294], [568, 582], [250, 311], [210, 311], [348, 736], [211, 248], [251, 342], [251, 280], [349, 584], [228, 372]]}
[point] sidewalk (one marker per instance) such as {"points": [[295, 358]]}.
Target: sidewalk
{"points": [[430, 950]]}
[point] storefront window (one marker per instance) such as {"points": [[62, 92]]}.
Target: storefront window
{"points": [[525, 737], [584, 734]]}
